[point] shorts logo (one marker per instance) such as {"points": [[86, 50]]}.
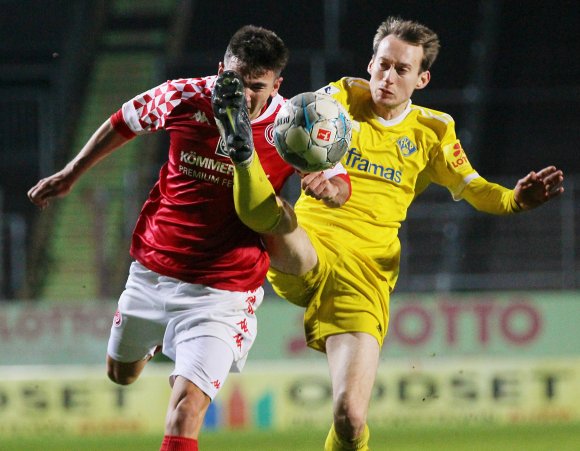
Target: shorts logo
{"points": [[117, 319], [250, 301], [269, 134], [239, 338], [406, 146]]}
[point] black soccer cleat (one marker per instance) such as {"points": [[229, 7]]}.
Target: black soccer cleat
{"points": [[231, 115]]}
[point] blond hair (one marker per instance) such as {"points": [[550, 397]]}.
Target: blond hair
{"points": [[412, 32]]}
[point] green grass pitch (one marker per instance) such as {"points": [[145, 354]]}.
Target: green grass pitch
{"points": [[540, 437]]}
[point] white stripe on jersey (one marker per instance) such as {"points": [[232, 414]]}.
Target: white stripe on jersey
{"points": [[443, 117], [276, 101], [456, 192]]}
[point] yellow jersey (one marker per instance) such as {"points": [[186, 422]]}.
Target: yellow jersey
{"points": [[358, 250], [384, 162]]}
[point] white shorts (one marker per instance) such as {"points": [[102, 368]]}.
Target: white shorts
{"points": [[206, 331]]}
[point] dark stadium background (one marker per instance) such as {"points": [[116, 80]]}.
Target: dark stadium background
{"points": [[508, 72]]}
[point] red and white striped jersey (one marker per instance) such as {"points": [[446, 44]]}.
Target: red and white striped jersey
{"points": [[188, 228]]}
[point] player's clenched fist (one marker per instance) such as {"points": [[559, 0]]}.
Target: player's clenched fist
{"points": [[57, 185]]}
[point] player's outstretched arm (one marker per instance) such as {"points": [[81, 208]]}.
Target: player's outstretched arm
{"points": [[104, 141], [537, 188]]}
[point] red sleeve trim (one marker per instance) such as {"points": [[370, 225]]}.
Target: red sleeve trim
{"points": [[121, 126], [346, 178]]}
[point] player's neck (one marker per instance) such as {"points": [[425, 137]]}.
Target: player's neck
{"points": [[388, 114]]}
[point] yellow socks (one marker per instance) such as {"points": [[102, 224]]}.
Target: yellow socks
{"points": [[335, 443], [255, 199]]}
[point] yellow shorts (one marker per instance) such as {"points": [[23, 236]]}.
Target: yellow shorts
{"points": [[345, 292]]}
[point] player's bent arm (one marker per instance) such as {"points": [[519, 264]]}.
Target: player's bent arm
{"points": [[343, 191], [104, 141], [332, 186], [490, 197]]}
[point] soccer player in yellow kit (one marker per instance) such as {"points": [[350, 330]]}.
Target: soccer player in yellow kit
{"points": [[341, 264]]}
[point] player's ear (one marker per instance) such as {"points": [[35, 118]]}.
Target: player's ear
{"points": [[423, 81], [277, 84], [370, 66], [221, 67]]}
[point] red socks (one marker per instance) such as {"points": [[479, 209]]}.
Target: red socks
{"points": [[175, 443]]}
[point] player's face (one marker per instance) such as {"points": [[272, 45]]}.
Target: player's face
{"points": [[395, 72], [258, 87]]}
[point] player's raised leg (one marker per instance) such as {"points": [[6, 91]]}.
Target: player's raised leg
{"points": [[255, 199]]}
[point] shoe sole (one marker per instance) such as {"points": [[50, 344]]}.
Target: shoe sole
{"points": [[228, 107], [230, 100]]}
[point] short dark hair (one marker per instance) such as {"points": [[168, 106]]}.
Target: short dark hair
{"points": [[413, 33], [257, 50]]}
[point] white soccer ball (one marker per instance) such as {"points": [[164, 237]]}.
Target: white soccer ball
{"points": [[312, 131]]}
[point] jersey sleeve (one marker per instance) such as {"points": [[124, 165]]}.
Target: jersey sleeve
{"points": [[448, 165], [337, 91], [148, 111], [490, 197]]}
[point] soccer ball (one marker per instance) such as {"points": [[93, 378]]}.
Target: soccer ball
{"points": [[312, 132]]}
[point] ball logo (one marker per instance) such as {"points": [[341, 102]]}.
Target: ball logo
{"points": [[269, 134], [324, 134], [312, 132]]}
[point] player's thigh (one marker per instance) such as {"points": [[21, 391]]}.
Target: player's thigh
{"points": [[205, 361], [140, 320], [353, 361], [291, 253]]}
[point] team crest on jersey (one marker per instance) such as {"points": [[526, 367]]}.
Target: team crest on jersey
{"points": [[406, 146], [221, 149], [269, 134]]}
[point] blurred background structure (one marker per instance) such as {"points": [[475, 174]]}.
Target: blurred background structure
{"points": [[507, 73]]}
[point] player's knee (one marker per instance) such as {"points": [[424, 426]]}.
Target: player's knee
{"points": [[287, 221], [120, 378], [122, 373], [350, 419]]}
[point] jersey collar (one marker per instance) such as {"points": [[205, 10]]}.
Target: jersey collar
{"points": [[395, 120]]}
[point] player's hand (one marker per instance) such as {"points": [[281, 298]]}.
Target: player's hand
{"points": [[316, 185], [57, 185], [539, 187]]}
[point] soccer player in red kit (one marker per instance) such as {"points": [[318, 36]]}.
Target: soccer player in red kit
{"points": [[195, 284]]}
